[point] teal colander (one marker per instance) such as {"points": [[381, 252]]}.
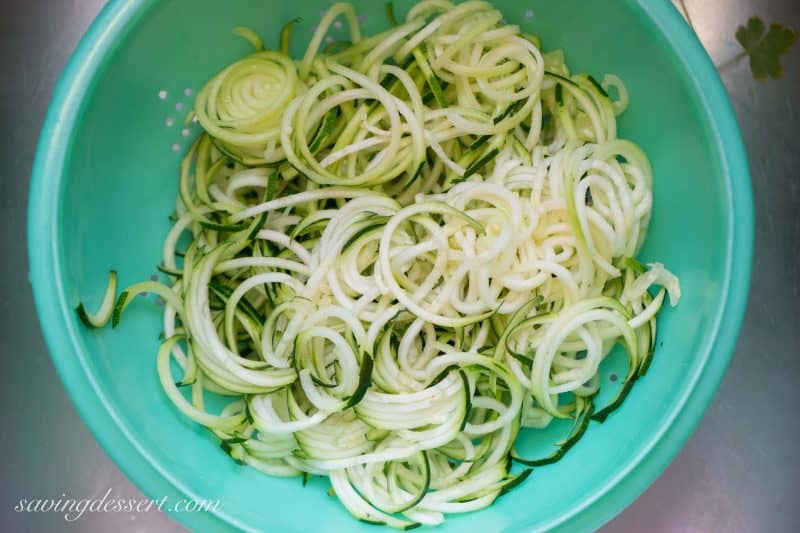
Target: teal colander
{"points": [[105, 182]]}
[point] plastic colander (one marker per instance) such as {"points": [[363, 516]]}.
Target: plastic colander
{"points": [[105, 181]]}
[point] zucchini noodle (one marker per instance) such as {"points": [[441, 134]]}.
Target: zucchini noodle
{"points": [[403, 251]]}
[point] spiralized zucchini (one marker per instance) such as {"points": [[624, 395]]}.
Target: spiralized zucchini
{"points": [[404, 250]]}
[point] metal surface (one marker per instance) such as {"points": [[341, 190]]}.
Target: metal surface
{"points": [[738, 473]]}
